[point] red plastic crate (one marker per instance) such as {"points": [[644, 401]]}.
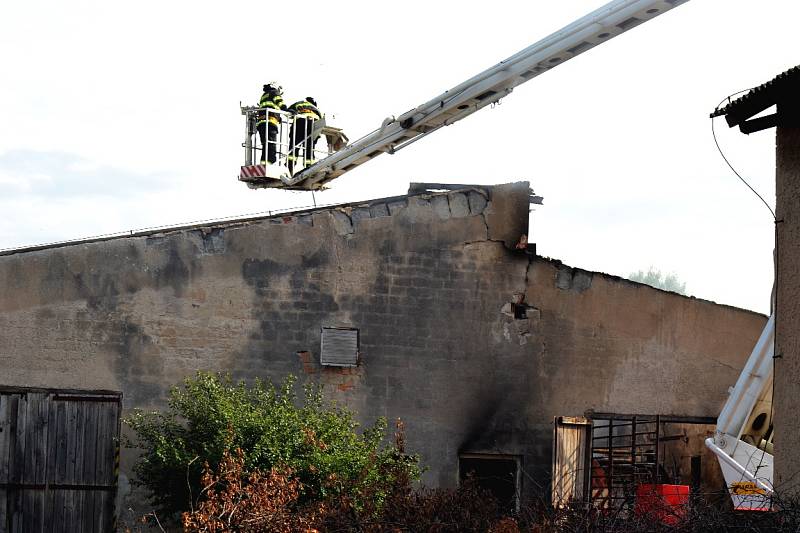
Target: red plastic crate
{"points": [[665, 503]]}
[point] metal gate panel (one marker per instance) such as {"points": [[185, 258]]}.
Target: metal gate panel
{"points": [[58, 452]]}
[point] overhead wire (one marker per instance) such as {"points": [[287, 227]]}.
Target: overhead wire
{"points": [[773, 302], [716, 142]]}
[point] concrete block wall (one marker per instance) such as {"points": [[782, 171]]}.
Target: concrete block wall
{"points": [[428, 280], [787, 326]]}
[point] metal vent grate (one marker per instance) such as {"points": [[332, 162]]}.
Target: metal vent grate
{"points": [[339, 347]]}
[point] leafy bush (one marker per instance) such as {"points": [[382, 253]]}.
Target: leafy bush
{"points": [[236, 500], [211, 415]]}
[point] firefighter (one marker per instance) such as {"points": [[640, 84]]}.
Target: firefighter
{"points": [[305, 113], [269, 123]]}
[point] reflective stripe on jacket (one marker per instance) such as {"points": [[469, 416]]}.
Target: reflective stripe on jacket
{"points": [[270, 101], [307, 109]]}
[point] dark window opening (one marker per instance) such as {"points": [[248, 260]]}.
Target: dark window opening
{"points": [[497, 474], [758, 423]]}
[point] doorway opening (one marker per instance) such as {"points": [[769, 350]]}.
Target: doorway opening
{"points": [[496, 473]]}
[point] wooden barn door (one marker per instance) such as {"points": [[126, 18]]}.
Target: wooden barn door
{"points": [[58, 460], [571, 445]]}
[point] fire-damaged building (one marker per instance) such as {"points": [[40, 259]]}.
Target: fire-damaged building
{"points": [[429, 307]]}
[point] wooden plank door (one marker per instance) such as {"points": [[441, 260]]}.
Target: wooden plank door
{"points": [[58, 460]]}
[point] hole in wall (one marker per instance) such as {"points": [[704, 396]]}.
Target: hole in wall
{"points": [[497, 474]]}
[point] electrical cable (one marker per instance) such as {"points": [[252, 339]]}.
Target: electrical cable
{"points": [[716, 142], [773, 303]]}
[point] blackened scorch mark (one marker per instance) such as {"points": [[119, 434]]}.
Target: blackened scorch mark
{"points": [[99, 290], [480, 426], [136, 360], [257, 272], [213, 240], [174, 273], [289, 305]]}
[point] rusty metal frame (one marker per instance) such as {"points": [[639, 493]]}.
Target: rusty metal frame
{"points": [[640, 425]]}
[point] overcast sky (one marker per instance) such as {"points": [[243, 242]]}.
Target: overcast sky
{"points": [[123, 115]]}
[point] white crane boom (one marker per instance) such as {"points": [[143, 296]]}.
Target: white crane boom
{"points": [[486, 88], [743, 437]]}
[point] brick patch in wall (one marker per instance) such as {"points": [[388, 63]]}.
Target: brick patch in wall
{"points": [[342, 379], [309, 367]]}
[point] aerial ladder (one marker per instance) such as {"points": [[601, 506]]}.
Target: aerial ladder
{"points": [[484, 89], [743, 438]]}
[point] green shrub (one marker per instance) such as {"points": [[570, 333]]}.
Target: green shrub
{"points": [[210, 414]]}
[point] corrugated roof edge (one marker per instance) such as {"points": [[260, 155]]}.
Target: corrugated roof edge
{"points": [[783, 77]]}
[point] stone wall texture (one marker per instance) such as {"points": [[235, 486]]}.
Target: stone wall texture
{"points": [[787, 328], [427, 279]]}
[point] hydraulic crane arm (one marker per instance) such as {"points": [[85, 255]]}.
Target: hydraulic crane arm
{"points": [[755, 376], [486, 88], [742, 441]]}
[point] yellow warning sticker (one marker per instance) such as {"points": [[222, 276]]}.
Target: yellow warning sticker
{"points": [[746, 488]]}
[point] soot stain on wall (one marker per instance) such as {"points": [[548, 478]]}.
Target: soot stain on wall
{"points": [[137, 365], [175, 273], [290, 313]]}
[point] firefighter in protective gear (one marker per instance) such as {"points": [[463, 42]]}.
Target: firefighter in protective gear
{"points": [[268, 123], [300, 140]]}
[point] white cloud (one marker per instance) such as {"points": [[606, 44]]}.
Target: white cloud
{"points": [[58, 174]]}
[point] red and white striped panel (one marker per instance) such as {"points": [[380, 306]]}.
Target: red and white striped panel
{"points": [[253, 171]]}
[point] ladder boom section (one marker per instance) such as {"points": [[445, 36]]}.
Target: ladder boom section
{"points": [[488, 87], [743, 455], [755, 375]]}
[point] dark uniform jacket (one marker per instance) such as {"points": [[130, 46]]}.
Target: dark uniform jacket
{"points": [[307, 109], [271, 100]]}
